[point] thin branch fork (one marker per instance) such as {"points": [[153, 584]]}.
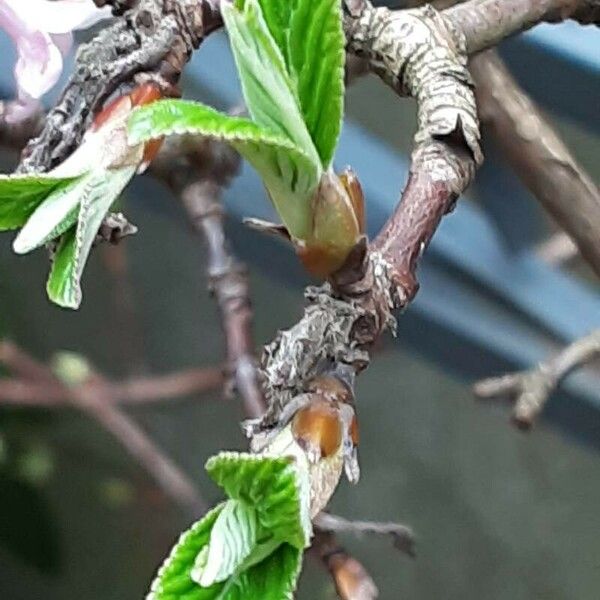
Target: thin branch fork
{"points": [[96, 396], [529, 390]]}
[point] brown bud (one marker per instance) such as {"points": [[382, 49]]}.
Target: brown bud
{"points": [[318, 428], [352, 184]]}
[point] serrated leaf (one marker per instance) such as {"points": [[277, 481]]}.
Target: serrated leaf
{"points": [[266, 84], [272, 485], [273, 578], [55, 215], [233, 538], [174, 578], [316, 54], [20, 195], [288, 173], [100, 191], [310, 37]]}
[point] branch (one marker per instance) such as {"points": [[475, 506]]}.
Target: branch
{"points": [[538, 155], [153, 40], [402, 536], [139, 390], [197, 170], [530, 389], [485, 23], [79, 386]]}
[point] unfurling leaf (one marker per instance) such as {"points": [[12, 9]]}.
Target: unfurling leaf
{"points": [[275, 486], [272, 578], [268, 88], [310, 37], [290, 60], [20, 195], [288, 173], [100, 189], [55, 215], [232, 540], [249, 547]]}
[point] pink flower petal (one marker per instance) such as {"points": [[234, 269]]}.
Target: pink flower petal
{"points": [[59, 16]]}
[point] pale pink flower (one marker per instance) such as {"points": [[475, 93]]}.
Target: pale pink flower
{"points": [[41, 31]]}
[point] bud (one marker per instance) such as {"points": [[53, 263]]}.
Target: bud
{"points": [[337, 223]]}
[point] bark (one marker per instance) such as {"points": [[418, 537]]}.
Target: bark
{"points": [[485, 23], [153, 41]]}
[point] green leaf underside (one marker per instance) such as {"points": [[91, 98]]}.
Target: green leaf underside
{"points": [[101, 189], [233, 538], [266, 84], [20, 195], [273, 578], [271, 485], [288, 173], [311, 39], [55, 215]]}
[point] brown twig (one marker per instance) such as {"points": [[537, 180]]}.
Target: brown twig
{"points": [[538, 155], [93, 394], [24, 390], [36, 384], [530, 389], [197, 171], [485, 23]]}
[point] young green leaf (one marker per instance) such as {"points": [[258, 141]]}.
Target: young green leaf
{"points": [[57, 213], [20, 195], [101, 189], [174, 578], [272, 578], [316, 54], [267, 86], [288, 173], [310, 37], [273, 485], [232, 540]]}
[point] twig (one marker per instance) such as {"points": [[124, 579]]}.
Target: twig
{"points": [[402, 536], [558, 249], [95, 398], [135, 391], [485, 23], [530, 389], [538, 155], [197, 171], [93, 394]]}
